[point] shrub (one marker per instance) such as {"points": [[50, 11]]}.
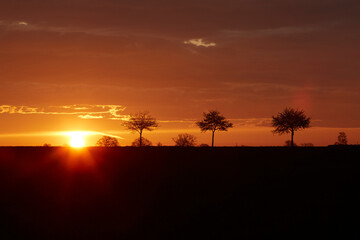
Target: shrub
{"points": [[185, 140]]}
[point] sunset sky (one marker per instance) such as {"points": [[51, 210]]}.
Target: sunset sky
{"points": [[84, 65]]}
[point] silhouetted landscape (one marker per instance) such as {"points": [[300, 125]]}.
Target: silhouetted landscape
{"points": [[231, 119], [179, 193]]}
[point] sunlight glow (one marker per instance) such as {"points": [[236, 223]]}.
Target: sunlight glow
{"points": [[77, 142], [77, 139]]}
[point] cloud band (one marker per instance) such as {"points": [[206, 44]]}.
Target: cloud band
{"points": [[81, 111]]}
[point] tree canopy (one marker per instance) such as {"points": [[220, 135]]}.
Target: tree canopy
{"points": [[144, 142], [106, 141], [213, 122], [139, 122], [289, 121], [342, 139]]}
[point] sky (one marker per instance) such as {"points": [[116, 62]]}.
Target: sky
{"points": [[84, 65]]}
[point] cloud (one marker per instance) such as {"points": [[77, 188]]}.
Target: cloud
{"points": [[16, 26], [200, 43], [90, 117], [56, 133], [81, 111], [252, 122], [22, 23], [106, 31], [280, 31], [177, 121], [25, 26]]}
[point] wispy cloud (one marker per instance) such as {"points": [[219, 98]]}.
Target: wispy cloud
{"points": [[16, 26], [177, 121], [57, 133], [90, 117], [112, 31], [268, 32], [251, 122], [200, 43], [26, 26], [22, 23], [82, 111], [238, 122]]}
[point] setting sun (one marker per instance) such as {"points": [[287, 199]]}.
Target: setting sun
{"points": [[77, 139]]}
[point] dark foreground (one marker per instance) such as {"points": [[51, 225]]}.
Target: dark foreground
{"points": [[174, 193]]}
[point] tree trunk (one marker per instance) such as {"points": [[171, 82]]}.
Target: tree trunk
{"points": [[212, 142], [292, 138], [140, 140]]}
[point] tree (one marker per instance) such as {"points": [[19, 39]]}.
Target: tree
{"points": [[288, 144], [139, 122], [290, 121], [213, 122], [106, 141], [342, 139], [185, 140], [144, 142]]}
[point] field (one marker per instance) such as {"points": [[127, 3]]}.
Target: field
{"points": [[178, 193]]}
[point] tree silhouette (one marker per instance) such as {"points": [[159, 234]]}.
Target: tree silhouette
{"points": [[185, 140], [288, 143], [139, 122], [342, 139], [204, 145], [144, 142], [290, 121], [213, 122], [106, 141]]}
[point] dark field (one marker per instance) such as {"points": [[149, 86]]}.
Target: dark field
{"points": [[179, 193]]}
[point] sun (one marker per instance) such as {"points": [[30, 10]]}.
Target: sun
{"points": [[77, 142], [77, 139]]}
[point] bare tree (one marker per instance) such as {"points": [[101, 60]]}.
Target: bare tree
{"points": [[342, 139], [213, 122], [144, 142], [290, 121], [185, 140], [106, 141], [139, 122]]}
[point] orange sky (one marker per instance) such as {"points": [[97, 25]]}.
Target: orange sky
{"points": [[176, 59]]}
